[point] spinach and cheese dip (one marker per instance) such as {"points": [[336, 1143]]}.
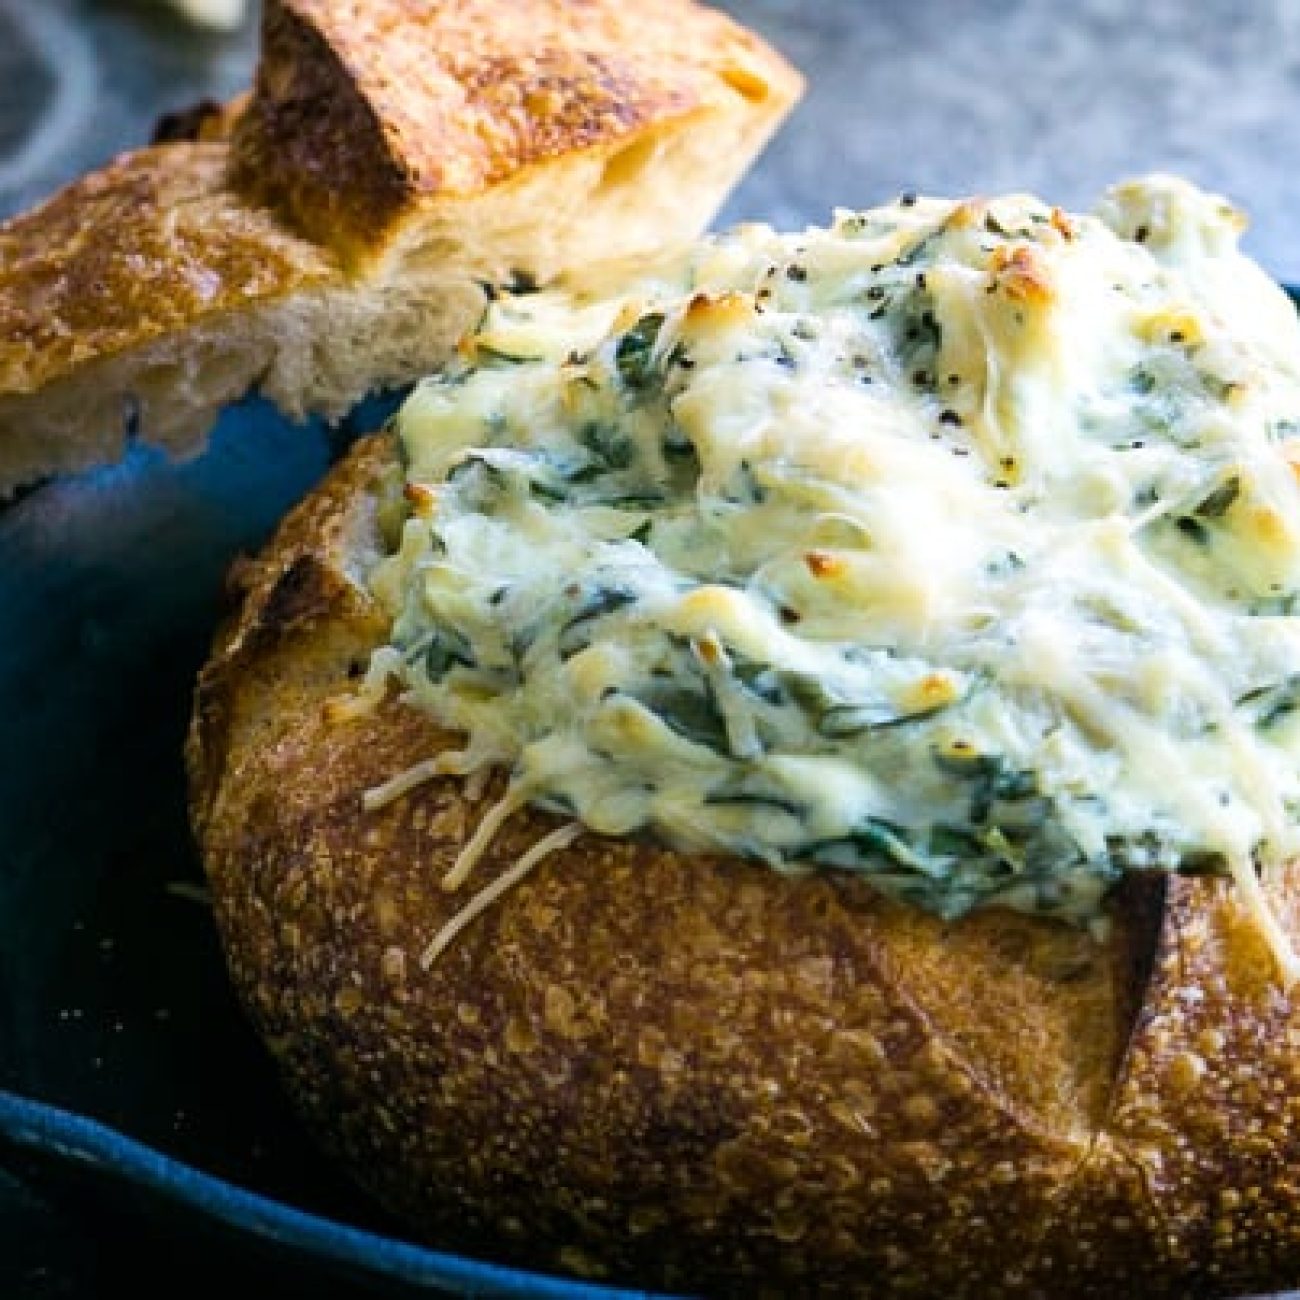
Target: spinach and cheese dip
{"points": [[957, 545]]}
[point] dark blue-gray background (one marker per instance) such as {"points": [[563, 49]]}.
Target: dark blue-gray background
{"points": [[942, 96]]}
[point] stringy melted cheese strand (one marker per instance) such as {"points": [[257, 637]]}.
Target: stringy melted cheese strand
{"points": [[556, 841], [489, 826]]}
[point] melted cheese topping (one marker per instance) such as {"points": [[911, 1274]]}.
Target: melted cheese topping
{"points": [[957, 544]]}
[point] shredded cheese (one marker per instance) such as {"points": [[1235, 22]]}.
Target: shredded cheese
{"points": [[489, 826], [555, 842], [1257, 906], [453, 763]]}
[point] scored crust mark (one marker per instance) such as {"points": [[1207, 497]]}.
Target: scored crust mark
{"points": [[306, 579], [697, 1073], [362, 111], [306, 590], [1103, 1220], [1143, 901], [1209, 1108], [1204, 1127]]}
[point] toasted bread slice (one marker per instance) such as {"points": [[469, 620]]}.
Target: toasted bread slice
{"points": [[339, 231], [608, 126]]}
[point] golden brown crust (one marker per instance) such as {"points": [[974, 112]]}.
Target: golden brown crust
{"points": [[363, 110], [155, 243], [700, 1074]]}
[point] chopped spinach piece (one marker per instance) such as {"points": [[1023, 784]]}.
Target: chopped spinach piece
{"points": [[757, 799], [576, 633], [1220, 501], [692, 713], [635, 352], [610, 446], [1269, 705], [446, 649]]}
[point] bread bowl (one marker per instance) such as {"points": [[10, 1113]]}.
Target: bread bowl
{"points": [[638, 1058]]}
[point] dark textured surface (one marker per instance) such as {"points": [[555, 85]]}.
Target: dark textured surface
{"points": [[940, 95]]}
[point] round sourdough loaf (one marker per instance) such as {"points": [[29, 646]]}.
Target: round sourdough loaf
{"points": [[700, 1074]]}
